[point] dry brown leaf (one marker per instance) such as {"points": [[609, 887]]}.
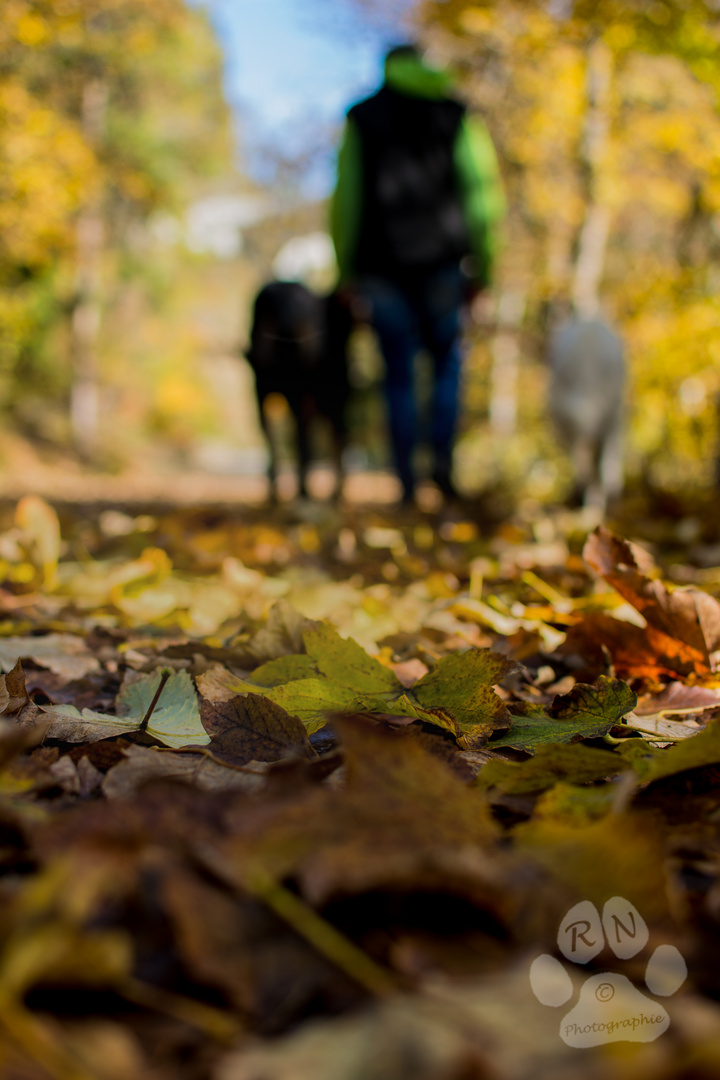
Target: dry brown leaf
{"points": [[489, 1029], [635, 652], [281, 635], [252, 728], [13, 694], [686, 615], [144, 763], [65, 654], [676, 698], [403, 823], [41, 532], [218, 684]]}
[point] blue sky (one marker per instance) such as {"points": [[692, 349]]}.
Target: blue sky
{"points": [[292, 69]]}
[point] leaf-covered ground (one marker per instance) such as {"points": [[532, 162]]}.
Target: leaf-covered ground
{"points": [[301, 794]]}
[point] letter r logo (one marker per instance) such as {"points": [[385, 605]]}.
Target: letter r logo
{"points": [[575, 931], [580, 936]]}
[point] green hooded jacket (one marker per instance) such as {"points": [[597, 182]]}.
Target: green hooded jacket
{"points": [[476, 165]]}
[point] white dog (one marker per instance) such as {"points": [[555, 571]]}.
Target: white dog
{"points": [[586, 403]]}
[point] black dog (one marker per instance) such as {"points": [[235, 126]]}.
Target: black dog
{"points": [[298, 348]]}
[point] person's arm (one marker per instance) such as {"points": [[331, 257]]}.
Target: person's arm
{"points": [[346, 203], [481, 193]]}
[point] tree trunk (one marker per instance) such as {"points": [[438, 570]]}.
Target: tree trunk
{"points": [[85, 323], [592, 241]]}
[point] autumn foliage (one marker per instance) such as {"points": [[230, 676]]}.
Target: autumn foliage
{"points": [[238, 843]]}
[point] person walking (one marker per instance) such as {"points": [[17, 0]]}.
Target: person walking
{"points": [[415, 219]]}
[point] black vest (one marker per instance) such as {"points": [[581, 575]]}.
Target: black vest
{"points": [[412, 219]]}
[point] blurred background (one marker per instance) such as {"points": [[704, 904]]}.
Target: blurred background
{"points": [[159, 162]]}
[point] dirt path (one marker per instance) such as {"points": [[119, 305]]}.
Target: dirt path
{"points": [[64, 480]]}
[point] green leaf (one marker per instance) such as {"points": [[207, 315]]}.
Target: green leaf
{"points": [[607, 699], [335, 674], [283, 669], [175, 720], [311, 700], [587, 712], [461, 685], [652, 763], [343, 661], [576, 806], [553, 763]]}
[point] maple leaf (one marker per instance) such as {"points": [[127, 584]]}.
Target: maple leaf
{"points": [[684, 623], [336, 675], [635, 651], [587, 712]]}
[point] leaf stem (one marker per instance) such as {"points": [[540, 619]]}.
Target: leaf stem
{"points": [[164, 676], [654, 736], [321, 934], [205, 1018], [40, 1044], [659, 736]]}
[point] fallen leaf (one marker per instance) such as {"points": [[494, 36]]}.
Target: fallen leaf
{"points": [[145, 763], [569, 804], [551, 763], [652, 763], [336, 675], [311, 700], [678, 699], [587, 712], [687, 615], [461, 684], [619, 855], [175, 720], [65, 654], [69, 724], [607, 699], [13, 694], [218, 684], [217, 937], [253, 728], [635, 652], [281, 635], [343, 661], [41, 533], [404, 820], [657, 725]]}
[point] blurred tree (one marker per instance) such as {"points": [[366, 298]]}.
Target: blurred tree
{"points": [[109, 111]]}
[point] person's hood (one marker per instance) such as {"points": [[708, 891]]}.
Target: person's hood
{"points": [[410, 75]]}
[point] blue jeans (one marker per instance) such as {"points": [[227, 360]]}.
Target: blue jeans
{"points": [[420, 312]]}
